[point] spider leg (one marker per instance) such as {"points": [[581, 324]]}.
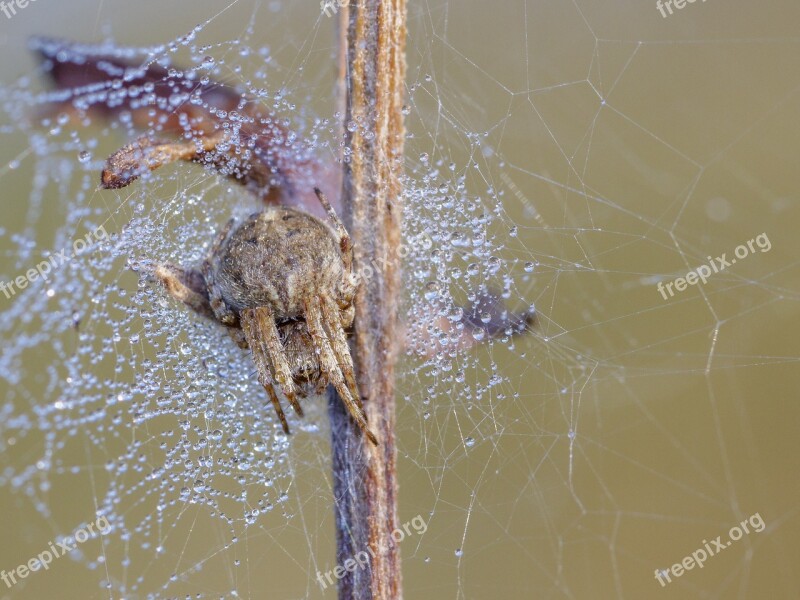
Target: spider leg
{"points": [[298, 346], [251, 325], [221, 310], [330, 315], [238, 336], [261, 329], [345, 245], [218, 241], [331, 367], [187, 286], [277, 404]]}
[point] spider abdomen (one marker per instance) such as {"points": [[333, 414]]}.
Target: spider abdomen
{"points": [[277, 258]]}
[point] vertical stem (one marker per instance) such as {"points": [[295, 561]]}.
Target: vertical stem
{"points": [[365, 477]]}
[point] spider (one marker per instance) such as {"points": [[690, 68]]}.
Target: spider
{"points": [[282, 281]]}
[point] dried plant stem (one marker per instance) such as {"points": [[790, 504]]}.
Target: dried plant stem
{"points": [[365, 477]]}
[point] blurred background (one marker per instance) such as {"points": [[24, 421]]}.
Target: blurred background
{"points": [[593, 150]]}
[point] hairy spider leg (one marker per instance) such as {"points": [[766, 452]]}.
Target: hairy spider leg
{"points": [[219, 240], [221, 310], [187, 286], [330, 315], [261, 357], [262, 325], [331, 367], [345, 246]]}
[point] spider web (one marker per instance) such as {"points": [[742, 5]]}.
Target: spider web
{"points": [[563, 156]]}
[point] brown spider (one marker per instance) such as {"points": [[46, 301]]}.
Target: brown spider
{"points": [[283, 282]]}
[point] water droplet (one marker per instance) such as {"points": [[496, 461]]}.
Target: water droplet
{"points": [[431, 290]]}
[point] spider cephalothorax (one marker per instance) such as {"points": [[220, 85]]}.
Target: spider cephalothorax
{"points": [[282, 281]]}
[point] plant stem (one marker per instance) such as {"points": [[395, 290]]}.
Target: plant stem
{"points": [[365, 476]]}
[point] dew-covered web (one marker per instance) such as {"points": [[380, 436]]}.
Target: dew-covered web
{"points": [[548, 175]]}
